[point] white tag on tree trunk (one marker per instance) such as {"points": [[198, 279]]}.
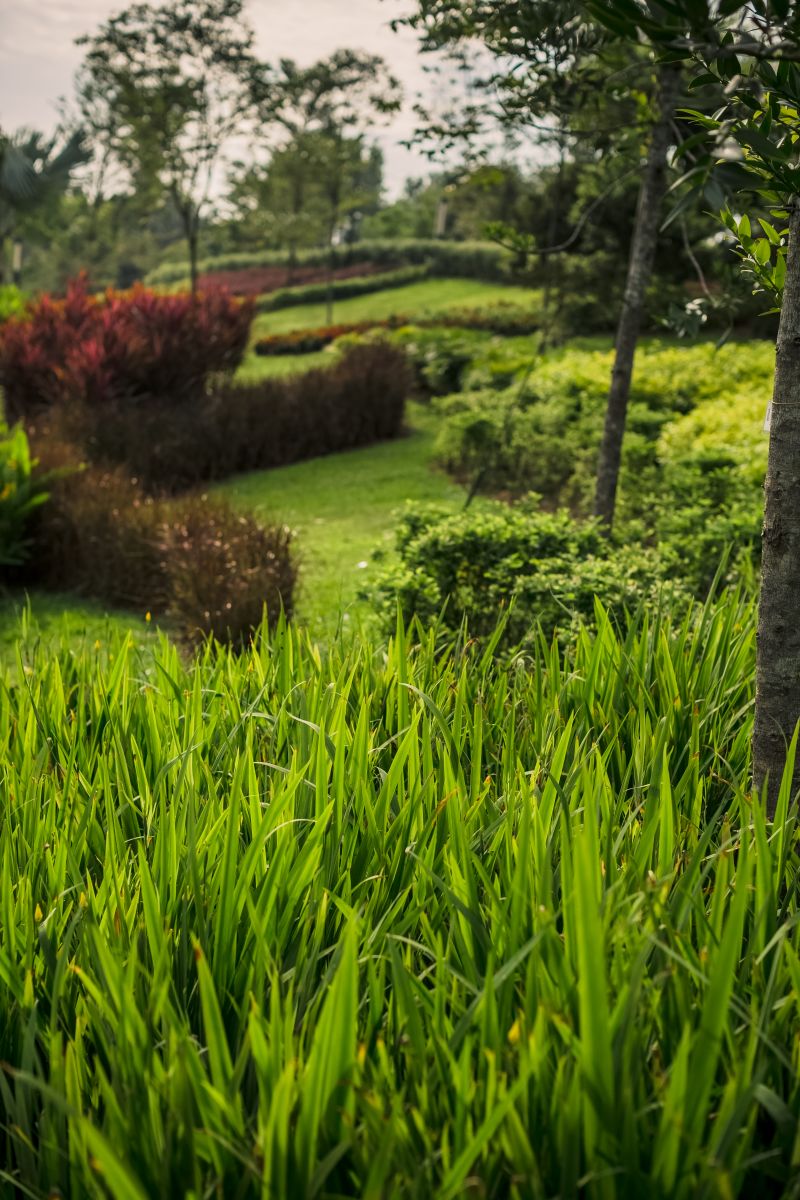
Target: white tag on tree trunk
{"points": [[768, 418]]}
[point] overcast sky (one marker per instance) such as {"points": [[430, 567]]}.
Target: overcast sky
{"points": [[38, 56]]}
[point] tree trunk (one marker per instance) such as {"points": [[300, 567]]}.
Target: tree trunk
{"points": [[331, 267], [640, 268], [16, 262], [192, 241], [298, 199], [778, 655], [547, 262]]}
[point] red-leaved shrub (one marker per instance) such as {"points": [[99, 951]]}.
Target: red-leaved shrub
{"points": [[358, 400], [136, 345], [197, 561]]}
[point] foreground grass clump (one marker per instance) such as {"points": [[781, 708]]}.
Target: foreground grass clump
{"points": [[411, 922]]}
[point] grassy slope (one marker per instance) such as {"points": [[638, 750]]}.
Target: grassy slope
{"points": [[51, 617], [417, 299], [342, 509]]}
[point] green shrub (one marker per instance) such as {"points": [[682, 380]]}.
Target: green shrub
{"points": [[339, 289], [479, 260], [13, 302], [690, 408], [730, 423], [546, 568], [21, 493], [698, 510], [514, 442]]}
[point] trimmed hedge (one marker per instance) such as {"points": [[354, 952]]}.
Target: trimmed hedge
{"points": [[358, 400], [505, 319], [544, 570], [340, 289], [481, 260]]}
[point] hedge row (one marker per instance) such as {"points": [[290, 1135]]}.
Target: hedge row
{"points": [[232, 428], [508, 320], [483, 260], [340, 289]]}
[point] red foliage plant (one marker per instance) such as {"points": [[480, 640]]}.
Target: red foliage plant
{"points": [[134, 345]]}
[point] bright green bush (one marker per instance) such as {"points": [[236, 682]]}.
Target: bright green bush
{"points": [[694, 449], [703, 512], [406, 922], [12, 302], [21, 493], [547, 568], [729, 423]]}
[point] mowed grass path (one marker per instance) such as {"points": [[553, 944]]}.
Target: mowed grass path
{"points": [[414, 301], [342, 509]]}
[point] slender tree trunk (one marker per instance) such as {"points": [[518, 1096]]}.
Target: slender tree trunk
{"points": [[298, 191], [17, 251], [331, 267], [778, 655], [192, 239], [547, 262], [640, 269]]}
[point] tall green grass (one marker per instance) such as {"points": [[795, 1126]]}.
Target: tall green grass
{"points": [[404, 921]]}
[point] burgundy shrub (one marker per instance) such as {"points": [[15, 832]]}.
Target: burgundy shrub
{"points": [[124, 346], [358, 400]]}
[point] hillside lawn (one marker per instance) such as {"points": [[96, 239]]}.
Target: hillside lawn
{"points": [[340, 507]]}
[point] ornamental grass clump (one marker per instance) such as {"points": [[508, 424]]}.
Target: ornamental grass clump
{"points": [[207, 569], [410, 920]]}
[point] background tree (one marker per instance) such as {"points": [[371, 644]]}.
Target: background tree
{"points": [[165, 88], [269, 211], [326, 111], [753, 52], [35, 171], [560, 69]]}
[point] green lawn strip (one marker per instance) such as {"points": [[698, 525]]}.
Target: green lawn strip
{"points": [[342, 509], [417, 299], [44, 620], [256, 366]]}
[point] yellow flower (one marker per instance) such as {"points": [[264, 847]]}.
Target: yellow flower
{"points": [[37, 913], [148, 616]]}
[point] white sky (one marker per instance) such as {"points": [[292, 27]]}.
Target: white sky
{"points": [[38, 56]]}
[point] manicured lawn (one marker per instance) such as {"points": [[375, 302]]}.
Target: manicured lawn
{"points": [[50, 617], [342, 509], [417, 299], [255, 367]]}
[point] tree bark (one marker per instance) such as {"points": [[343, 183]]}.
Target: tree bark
{"points": [[640, 269], [778, 654], [192, 240], [331, 266]]}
